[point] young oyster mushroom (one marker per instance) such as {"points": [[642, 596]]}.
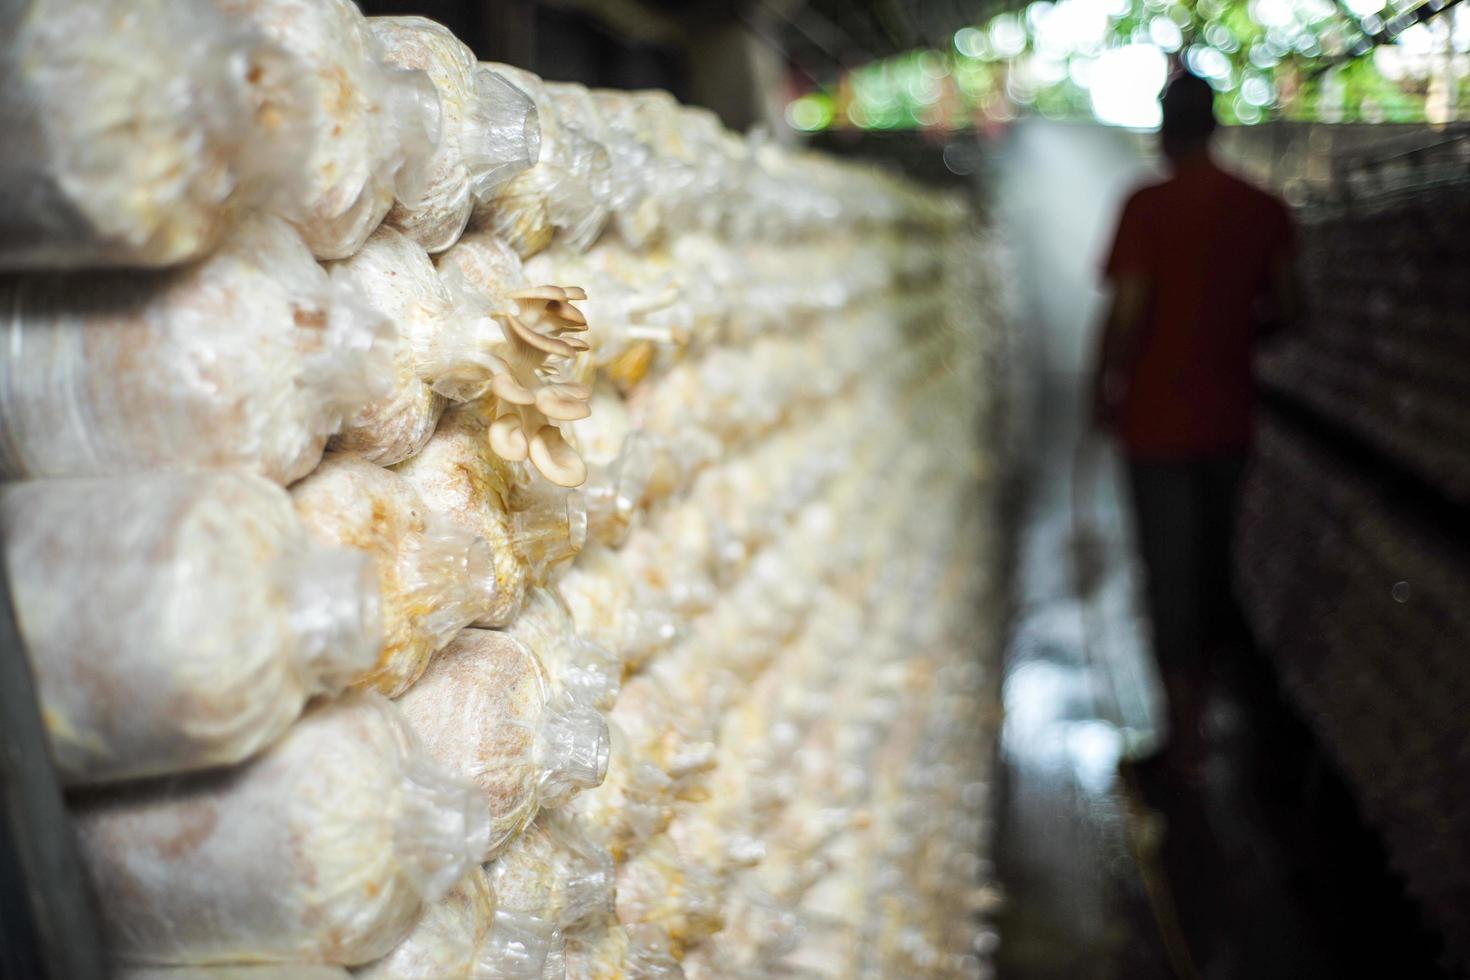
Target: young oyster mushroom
{"points": [[530, 398], [532, 393]]}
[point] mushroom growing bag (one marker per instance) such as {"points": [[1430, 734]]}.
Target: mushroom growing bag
{"points": [[465, 936], [137, 130], [520, 946], [658, 889], [434, 579], [178, 621], [488, 129], [553, 871], [248, 359], [435, 352], [285, 971], [590, 673], [530, 524], [446, 941], [485, 712], [321, 850], [460, 480], [615, 611], [566, 193], [373, 126]]}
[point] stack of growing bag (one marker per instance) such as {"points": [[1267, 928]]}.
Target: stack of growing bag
{"points": [[611, 447]]}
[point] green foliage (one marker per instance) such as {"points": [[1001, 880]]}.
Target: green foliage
{"points": [[1267, 59]]}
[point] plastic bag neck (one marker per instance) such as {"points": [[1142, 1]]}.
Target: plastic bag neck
{"points": [[572, 749], [336, 614]]}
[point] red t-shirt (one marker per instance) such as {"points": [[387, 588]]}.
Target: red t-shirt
{"points": [[1205, 242]]}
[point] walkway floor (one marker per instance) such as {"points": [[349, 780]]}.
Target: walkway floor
{"points": [[1262, 872]]}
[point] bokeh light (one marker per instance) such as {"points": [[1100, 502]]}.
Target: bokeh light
{"points": [[1080, 59], [970, 42], [1126, 83], [810, 113]]}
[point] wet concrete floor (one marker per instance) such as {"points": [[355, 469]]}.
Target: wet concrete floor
{"points": [[1259, 870]]}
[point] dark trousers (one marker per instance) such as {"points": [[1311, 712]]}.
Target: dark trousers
{"points": [[1184, 514]]}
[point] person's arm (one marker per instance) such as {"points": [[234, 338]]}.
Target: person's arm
{"points": [[1118, 348]]}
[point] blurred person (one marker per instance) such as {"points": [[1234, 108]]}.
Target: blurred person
{"points": [[1200, 270]]}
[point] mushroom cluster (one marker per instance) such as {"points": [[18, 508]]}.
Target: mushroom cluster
{"points": [[534, 364], [531, 389]]}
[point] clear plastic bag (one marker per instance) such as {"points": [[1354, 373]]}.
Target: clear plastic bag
{"points": [[549, 522], [509, 123], [638, 146], [447, 941], [287, 971], [616, 489], [613, 611], [587, 872], [632, 171], [520, 946], [632, 804], [482, 272], [137, 131], [576, 111], [597, 951], [718, 159], [694, 183], [320, 850], [591, 673], [488, 129], [555, 872], [375, 128], [670, 556], [671, 723], [678, 458], [476, 710], [484, 710], [439, 353], [248, 359], [759, 932], [462, 481], [434, 578], [573, 749], [555, 967], [531, 525], [649, 955], [466, 936], [175, 621], [565, 193]]}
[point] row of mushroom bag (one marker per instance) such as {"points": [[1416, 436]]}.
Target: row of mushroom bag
{"points": [[145, 130], [470, 526]]}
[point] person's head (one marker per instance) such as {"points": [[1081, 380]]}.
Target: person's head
{"points": [[1189, 116]]}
